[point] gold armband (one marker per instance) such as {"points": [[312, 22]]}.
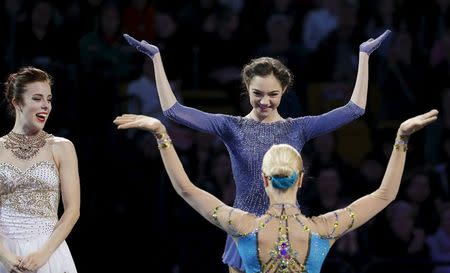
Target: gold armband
{"points": [[161, 135], [402, 147], [402, 139], [163, 139], [401, 142]]}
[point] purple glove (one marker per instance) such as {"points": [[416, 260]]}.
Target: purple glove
{"points": [[142, 46], [370, 45]]}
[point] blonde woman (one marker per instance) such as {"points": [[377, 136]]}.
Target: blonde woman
{"points": [[282, 239]]}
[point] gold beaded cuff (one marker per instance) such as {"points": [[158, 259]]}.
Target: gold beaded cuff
{"points": [[402, 139], [401, 147], [401, 143], [160, 135], [163, 139], [164, 143]]}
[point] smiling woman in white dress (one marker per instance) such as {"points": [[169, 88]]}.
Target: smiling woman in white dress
{"points": [[36, 170]]}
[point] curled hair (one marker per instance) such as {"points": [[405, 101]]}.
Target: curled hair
{"points": [[16, 83], [282, 164], [265, 66]]}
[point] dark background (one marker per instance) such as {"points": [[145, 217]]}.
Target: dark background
{"points": [[129, 210]]}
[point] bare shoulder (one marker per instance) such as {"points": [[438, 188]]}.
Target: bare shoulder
{"points": [[61, 145], [59, 141]]}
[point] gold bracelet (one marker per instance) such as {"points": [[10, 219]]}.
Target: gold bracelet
{"points": [[160, 135], [401, 147], [163, 139], [165, 144], [402, 139]]}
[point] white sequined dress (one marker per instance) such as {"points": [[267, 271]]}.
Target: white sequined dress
{"points": [[29, 199]]}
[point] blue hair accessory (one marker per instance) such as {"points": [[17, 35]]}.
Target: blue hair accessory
{"points": [[284, 182]]}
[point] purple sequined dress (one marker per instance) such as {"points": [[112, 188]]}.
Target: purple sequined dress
{"points": [[247, 141]]}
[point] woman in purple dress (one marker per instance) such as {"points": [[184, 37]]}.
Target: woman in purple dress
{"points": [[248, 138], [282, 239]]}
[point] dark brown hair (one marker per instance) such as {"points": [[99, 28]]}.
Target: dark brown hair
{"points": [[16, 82], [265, 66]]}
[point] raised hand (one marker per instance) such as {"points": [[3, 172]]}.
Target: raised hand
{"points": [[128, 121], [144, 47], [418, 122], [370, 45]]}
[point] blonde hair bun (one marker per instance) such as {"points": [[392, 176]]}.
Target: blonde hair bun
{"points": [[282, 163]]}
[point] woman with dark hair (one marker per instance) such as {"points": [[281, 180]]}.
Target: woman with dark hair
{"points": [[282, 239], [36, 170], [247, 138]]}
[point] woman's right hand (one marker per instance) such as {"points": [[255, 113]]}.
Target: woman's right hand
{"points": [[371, 45], [416, 123], [128, 121], [144, 47], [11, 263]]}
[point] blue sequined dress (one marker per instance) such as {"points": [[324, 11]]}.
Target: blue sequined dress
{"points": [[283, 240], [247, 140]]}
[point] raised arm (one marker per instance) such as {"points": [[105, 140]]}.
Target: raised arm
{"points": [[165, 93], [314, 126], [359, 95], [203, 202], [193, 118], [363, 209]]}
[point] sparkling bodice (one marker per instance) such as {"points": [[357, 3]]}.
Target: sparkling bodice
{"points": [[247, 141], [29, 199]]}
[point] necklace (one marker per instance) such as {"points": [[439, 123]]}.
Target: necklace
{"points": [[282, 207], [23, 146], [283, 216]]}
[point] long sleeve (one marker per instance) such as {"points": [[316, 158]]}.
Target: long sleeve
{"points": [[196, 119], [314, 126]]}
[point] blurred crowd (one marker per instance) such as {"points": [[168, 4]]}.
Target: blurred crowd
{"points": [[128, 209]]}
